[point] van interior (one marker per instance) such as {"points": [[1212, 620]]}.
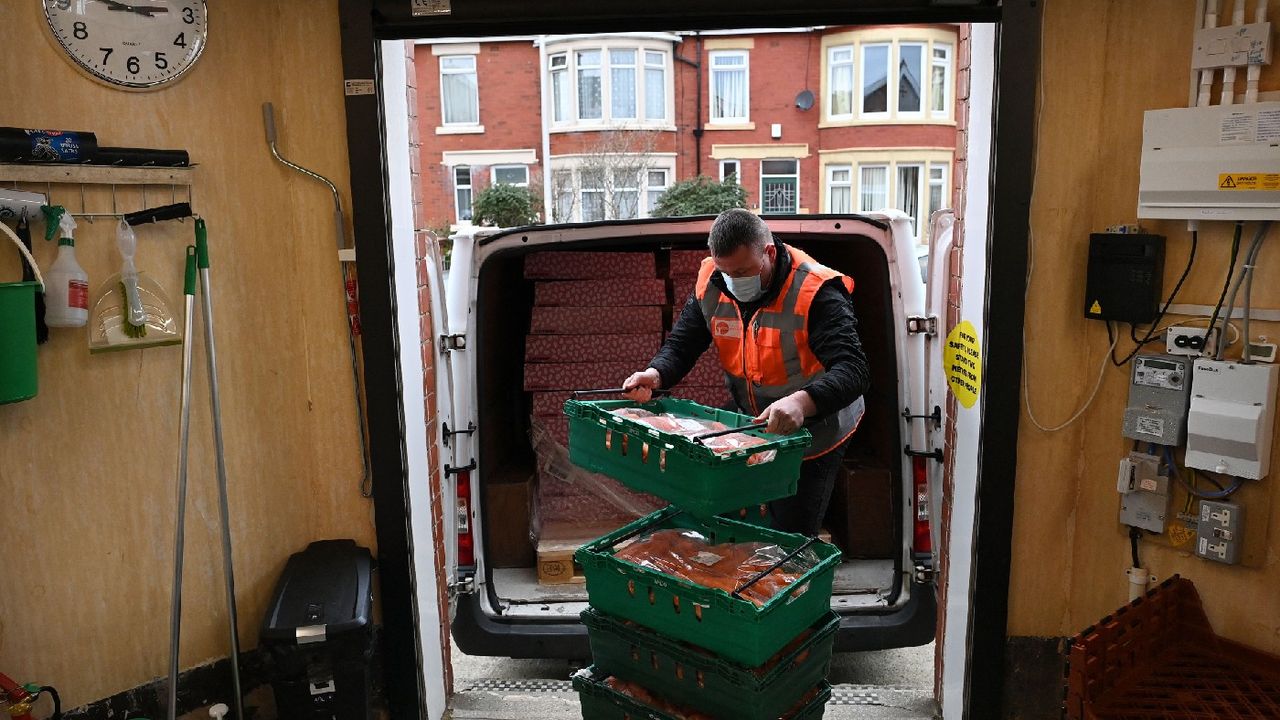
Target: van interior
{"points": [[870, 502]]}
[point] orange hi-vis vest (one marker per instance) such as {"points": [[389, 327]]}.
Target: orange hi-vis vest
{"points": [[771, 359]]}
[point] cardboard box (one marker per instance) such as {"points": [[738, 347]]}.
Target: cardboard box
{"points": [[556, 545], [576, 376], [596, 320], [638, 349], [570, 265], [618, 292], [507, 505], [861, 516], [687, 262]]}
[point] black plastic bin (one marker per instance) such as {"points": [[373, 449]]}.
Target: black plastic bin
{"points": [[318, 633]]}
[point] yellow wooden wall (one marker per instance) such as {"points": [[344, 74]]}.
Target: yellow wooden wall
{"points": [[1104, 63], [87, 468]]}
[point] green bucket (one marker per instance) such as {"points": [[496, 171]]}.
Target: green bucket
{"points": [[18, 332]]}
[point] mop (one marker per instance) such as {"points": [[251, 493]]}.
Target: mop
{"points": [[198, 257]]}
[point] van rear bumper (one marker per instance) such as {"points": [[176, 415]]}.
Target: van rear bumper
{"points": [[478, 633]]}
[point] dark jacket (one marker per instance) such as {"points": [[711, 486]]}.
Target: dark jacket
{"points": [[833, 337]]}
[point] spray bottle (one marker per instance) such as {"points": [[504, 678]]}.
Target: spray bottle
{"points": [[66, 283]]}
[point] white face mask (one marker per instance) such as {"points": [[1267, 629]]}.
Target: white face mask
{"points": [[745, 289]]}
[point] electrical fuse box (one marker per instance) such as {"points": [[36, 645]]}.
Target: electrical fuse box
{"points": [[1143, 485], [1220, 531], [1159, 390], [1229, 427]]}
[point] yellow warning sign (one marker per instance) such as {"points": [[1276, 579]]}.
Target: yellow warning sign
{"points": [[963, 361], [1096, 308], [1249, 181]]}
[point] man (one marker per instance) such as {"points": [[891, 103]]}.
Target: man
{"points": [[788, 343]]}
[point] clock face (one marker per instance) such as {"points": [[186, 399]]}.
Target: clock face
{"points": [[135, 44]]}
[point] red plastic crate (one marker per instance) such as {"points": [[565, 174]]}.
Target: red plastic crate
{"points": [[595, 320], [618, 292], [1157, 657], [554, 265], [636, 348], [687, 262], [576, 376]]}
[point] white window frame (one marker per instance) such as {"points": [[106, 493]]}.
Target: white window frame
{"points": [[711, 84], [941, 182], [572, 119], [922, 77], [738, 171], [637, 97], [889, 88], [580, 197], [948, 64], [763, 175], [475, 97], [922, 187], [850, 184], [888, 182], [470, 187], [566, 106], [493, 174], [831, 84], [646, 208]]}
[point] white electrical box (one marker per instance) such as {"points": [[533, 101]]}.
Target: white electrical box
{"points": [[1232, 45], [1229, 428], [1220, 162]]}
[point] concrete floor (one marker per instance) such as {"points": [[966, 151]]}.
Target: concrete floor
{"points": [[885, 685]]}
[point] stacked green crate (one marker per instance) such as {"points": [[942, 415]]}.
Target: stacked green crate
{"points": [[708, 652]]}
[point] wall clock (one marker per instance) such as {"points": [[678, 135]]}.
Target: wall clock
{"points": [[134, 45]]}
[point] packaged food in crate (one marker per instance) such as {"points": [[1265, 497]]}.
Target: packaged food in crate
{"points": [[609, 698], [704, 460], [740, 591], [690, 676]]}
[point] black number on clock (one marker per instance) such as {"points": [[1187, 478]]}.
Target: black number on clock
{"points": [[106, 53], [181, 40], [161, 62], [80, 31], [132, 65], [188, 15]]}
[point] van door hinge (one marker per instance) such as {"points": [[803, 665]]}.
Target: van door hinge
{"points": [[935, 453], [924, 573], [935, 416], [453, 342], [447, 434], [922, 325], [462, 586]]}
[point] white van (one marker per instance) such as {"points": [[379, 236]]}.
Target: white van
{"points": [[481, 319]]}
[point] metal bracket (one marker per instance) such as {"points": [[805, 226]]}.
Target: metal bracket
{"points": [[451, 470], [447, 434], [924, 575], [935, 416], [453, 342], [462, 586], [922, 325], [935, 453]]}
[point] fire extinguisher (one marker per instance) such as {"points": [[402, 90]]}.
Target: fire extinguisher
{"points": [[18, 699]]}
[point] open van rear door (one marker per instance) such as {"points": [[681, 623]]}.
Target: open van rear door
{"points": [[453, 439], [938, 295]]}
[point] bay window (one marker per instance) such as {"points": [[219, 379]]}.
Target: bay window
{"points": [[940, 80], [625, 85], [655, 85], [561, 90], [840, 81], [875, 79], [590, 86]]}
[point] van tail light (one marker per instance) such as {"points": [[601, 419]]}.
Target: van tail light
{"points": [[921, 542], [466, 543]]}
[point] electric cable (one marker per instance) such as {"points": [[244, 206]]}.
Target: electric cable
{"points": [[1218, 495], [1097, 385], [1231, 267], [1134, 535], [1248, 291], [1254, 246], [57, 701]]}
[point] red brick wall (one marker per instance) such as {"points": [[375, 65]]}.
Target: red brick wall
{"points": [[420, 210]]}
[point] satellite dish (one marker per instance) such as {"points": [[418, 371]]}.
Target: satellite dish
{"points": [[804, 100]]}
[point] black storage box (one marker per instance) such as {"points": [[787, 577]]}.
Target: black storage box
{"points": [[318, 633]]}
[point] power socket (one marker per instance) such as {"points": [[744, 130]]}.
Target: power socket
{"points": [[1191, 341], [1220, 532]]}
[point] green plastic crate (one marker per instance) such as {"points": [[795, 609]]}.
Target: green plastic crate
{"points": [[690, 676], [733, 628], [601, 702], [676, 468]]}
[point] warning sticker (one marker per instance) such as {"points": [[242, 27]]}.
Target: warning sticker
{"points": [[963, 362], [1249, 181], [1096, 308]]}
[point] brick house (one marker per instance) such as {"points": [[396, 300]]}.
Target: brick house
{"points": [[808, 120]]}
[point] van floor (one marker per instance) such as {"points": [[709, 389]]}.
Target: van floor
{"points": [[857, 583]]}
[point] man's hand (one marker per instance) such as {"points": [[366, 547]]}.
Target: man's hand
{"points": [[640, 386], [787, 415]]}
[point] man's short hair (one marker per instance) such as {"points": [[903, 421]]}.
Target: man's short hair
{"points": [[735, 228]]}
